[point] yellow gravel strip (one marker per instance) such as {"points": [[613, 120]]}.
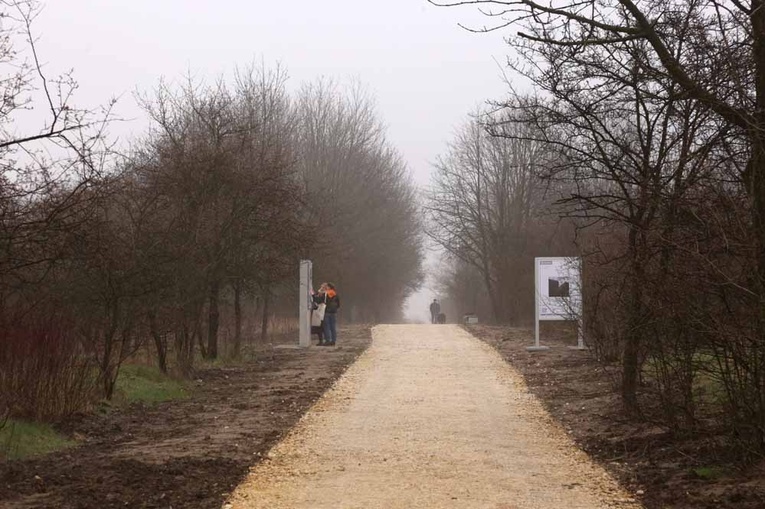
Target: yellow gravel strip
{"points": [[428, 417]]}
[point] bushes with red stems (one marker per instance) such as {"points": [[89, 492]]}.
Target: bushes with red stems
{"points": [[43, 372]]}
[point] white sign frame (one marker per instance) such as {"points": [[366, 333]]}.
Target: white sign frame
{"points": [[557, 294]]}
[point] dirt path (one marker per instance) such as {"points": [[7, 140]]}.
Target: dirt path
{"points": [[428, 417]]}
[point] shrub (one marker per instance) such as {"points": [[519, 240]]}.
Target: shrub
{"points": [[44, 374]]}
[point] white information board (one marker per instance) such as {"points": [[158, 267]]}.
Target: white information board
{"points": [[305, 304], [558, 293], [558, 288]]}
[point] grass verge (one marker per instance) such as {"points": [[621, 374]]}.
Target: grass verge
{"points": [[22, 439], [709, 473], [147, 384]]}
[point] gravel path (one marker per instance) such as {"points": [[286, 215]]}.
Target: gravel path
{"points": [[428, 417]]}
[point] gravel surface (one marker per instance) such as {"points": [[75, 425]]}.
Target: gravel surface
{"points": [[431, 417]]}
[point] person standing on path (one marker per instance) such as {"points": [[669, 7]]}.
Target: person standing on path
{"points": [[317, 314], [330, 315], [435, 309]]}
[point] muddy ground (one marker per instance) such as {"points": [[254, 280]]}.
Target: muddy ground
{"points": [[183, 454], [192, 453], [662, 467]]}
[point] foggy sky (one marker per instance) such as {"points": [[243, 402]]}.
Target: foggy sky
{"points": [[425, 72]]}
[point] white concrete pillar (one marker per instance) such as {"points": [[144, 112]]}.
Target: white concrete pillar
{"points": [[305, 304]]}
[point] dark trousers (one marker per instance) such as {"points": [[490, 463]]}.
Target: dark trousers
{"points": [[330, 328]]}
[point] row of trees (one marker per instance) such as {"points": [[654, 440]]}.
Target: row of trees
{"points": [[180, 241], [648, 118], [489, 211]]}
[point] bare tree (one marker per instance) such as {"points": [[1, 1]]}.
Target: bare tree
{"points": [[45, 172], [52, 156], [361, 202], [220, 172], [710, 53], [487, 208]]}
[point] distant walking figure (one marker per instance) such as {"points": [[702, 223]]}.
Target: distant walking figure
{"points": [[435, 309]]}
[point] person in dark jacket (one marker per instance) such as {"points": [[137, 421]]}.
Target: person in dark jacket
{"points": [[330, 315]]}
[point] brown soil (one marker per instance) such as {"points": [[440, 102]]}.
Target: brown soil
{"points": [[580, 393], [188, 453]]}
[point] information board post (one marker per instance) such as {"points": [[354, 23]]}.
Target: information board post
{"points": [[558, 295], [305, 305], [580, 310], [537, 347], [579, 335]]}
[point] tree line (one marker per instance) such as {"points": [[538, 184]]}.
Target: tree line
{"points": [[184, 244], [642, 142]]}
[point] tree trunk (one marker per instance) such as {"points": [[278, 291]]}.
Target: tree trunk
{"points": [[159, 342], [110, 381], [197, 336], [506, 286], [632, 336], [630, 368], [491, 292], [185, 349], [264, 322], [106, 362], [757, 190], [756, 185], [213, 321], [106, 367], [237, 320], [256, 312]]}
